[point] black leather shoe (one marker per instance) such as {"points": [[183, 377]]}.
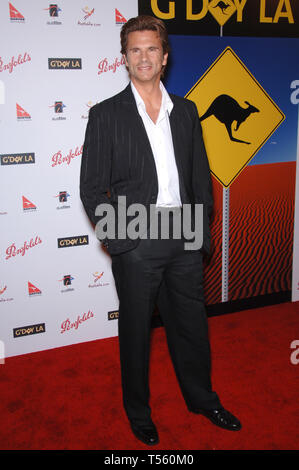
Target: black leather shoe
{"points": [[146, 433], [222, 418]]}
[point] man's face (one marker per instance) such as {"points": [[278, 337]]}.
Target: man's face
{"points": [[145, 57]]}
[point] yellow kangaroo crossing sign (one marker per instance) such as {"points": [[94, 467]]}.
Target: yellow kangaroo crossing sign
{"points": [[236, 113], [222, 11]]}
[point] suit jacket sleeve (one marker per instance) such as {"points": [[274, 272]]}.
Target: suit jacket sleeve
{"points": [[95, 165]]}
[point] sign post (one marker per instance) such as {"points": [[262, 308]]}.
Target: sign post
{"points": [[225, 244]]}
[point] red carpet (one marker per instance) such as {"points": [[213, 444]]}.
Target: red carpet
{"points": [[70, 398]]}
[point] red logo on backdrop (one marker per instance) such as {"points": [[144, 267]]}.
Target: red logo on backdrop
{"points": [[54, 12], [28, 205], [104, 65], [10, 66], [119, 18], [33, 290], [97, 281], [58, 158], [12, 250], [15, 15], [3, 289], [68, 325], [87, 14], [22, 115]]}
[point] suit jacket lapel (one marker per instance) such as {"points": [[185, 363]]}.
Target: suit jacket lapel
{"points": [[176, 124], [133, 117]]}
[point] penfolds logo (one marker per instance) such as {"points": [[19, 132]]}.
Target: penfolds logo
{"points": [[12, 250], [13, 63], [104, 65], [68, 324], [58, 158]]}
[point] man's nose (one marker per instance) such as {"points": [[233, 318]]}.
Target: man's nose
{"points": [[144, 55]]}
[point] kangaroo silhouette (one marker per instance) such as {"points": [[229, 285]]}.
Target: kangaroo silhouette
{"points": [[223, 6], [227, 110]]}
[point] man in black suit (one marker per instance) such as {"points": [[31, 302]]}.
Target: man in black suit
{"points": [[145, 146]]}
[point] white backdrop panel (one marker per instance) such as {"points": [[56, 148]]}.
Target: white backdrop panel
{"points": [[63, 294]]}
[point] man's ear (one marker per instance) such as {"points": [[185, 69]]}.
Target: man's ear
{"points": [[125, 59]]}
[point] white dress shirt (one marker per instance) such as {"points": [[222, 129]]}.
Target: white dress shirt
{"points": [[160, 138]]}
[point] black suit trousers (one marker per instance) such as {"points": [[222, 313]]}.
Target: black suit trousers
{"points": [[160, 271]]}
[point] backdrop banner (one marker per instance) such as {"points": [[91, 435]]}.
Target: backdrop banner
{"points": [[56, 61], [264, 18]]}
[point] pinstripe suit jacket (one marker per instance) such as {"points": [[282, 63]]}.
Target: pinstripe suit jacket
{"points": [[117, 160]]}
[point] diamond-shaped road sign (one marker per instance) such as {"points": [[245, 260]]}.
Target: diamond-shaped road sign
{"points": [[222, 11], [236, 113]]}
